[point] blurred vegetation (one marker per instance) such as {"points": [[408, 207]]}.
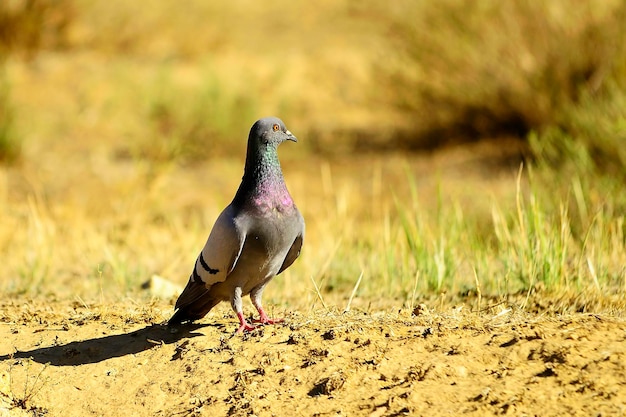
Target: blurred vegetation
{"points": [[183, 120], [467, 70], [27, 26], [10, 145], [452, 71]]}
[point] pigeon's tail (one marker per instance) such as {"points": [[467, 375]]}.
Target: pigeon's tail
{"points": [[193, 304], [182, 316]]}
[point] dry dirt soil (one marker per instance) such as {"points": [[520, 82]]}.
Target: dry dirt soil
{"points": [[69, 359]]}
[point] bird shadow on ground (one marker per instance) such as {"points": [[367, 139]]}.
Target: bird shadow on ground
{"points": [[102, 348]]}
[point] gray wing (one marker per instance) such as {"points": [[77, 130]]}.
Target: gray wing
{"points": [[216, 260], [296, 246], [221, 250]]}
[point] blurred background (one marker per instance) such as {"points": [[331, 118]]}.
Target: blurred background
{"points": [[123, 128], [350, 75]]}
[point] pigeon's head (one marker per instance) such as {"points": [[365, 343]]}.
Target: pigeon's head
{"points": [[271, 131]]}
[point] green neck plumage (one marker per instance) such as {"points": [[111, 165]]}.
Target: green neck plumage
{"points": [[262, 176]]}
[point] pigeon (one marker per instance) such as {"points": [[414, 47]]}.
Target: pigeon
{"points": [[257, 236]]}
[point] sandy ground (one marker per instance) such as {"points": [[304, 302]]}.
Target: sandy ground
{"points": [[69, 359]]}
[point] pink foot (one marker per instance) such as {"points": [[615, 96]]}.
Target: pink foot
{"points": [[264, 319], [244, 326]]}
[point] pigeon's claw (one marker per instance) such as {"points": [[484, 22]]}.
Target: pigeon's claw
{"points": [[264, 319], [267, 320], [244, 326]]}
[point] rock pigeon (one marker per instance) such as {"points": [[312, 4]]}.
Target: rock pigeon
{"points": [[255, 238]]}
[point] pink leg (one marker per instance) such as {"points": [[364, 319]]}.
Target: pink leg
{"points": [[255, 296], [244, 326]]}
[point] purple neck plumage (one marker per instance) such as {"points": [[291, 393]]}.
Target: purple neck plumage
{"points": [[262, 186]]}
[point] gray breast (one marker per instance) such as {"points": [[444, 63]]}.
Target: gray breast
{"points": [[265, 248]]}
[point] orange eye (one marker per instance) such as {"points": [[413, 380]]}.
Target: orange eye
{"points": [[276, 128]]}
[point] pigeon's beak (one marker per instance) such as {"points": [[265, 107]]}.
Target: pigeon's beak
{"points": [[290, 136]]}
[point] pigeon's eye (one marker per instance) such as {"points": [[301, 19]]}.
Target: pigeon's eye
{"points": [[276, 128]]}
